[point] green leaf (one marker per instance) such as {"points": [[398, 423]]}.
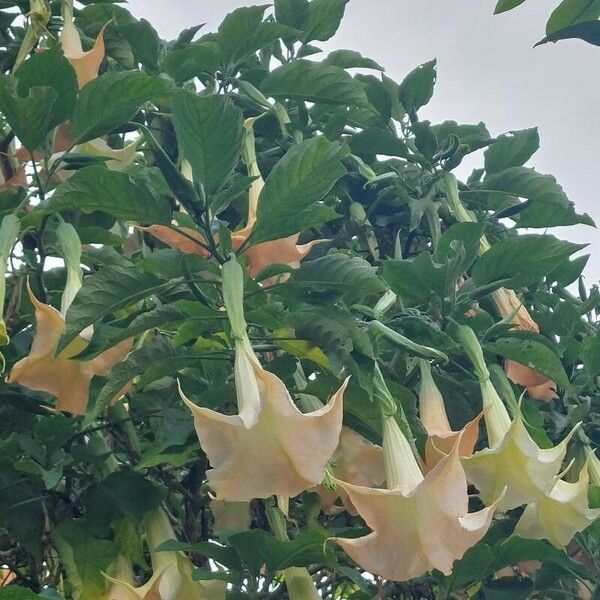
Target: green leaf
{"points": [[257, 548], [17, 593], [512, 149], [504, 5], [111, 100], [528, 350], [96, 188], [549, 206], [588, 31], [210, 130], [292, 13], [50, 69], [160, 357], [31, 116], [222, 554], [314, 82], [508, 588], [289, 202], [323, 20], [570, 12], [416, 89], [522, 259], [377, 140], [243, 32], [334, 276], [351, 59], [105, 292], [192, 61], [84, 557], [590, 354], [144, 41]]}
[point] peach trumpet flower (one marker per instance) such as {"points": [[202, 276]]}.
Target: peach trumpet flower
{"points": [[512, 460], [538, 386], [356, 460], [281, 251], [440, 436], [86, 63], [172, 571], [421, 522], [270, 447], [61, 375], [560, 513]]}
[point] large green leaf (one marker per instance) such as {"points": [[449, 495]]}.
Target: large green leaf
{"points": [[160, 357], [533, 351], [522, 260], [323, 19], [513, 149], [14, 592], [289, 202], [334, 276], [31, 116], [191, 61], [350, 59], [96, 188], [377, 140], [314, 82], [570, 12], [291, 12], [113, 99], [244, 32], [588, 31], [416, 89], [210, 130], [548, 204], [50, 69], [106, 291]]}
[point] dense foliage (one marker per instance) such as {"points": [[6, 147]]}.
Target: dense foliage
{"points": [[191, 227]]}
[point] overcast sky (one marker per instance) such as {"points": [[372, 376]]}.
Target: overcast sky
{"points": [[487, 71]]}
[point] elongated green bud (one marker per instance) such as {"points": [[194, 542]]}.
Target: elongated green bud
{"points": [[233, 296], [70, 246], [9, 231]]}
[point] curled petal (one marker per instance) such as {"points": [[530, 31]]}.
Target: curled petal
{"points": [[86, 64], [183, 239]]}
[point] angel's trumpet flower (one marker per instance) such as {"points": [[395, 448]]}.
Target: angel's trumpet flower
{"points": [[60, 374], [593, 465], [508, 305], [171, 571], [356, 461], [86, 63], [560, 513], [269, 447], [513, 460], [421, 522], [441, 438], [281, 251]]}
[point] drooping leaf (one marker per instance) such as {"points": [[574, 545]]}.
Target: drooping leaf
{"points": [[524, 347], [183, 64], [111, 100], [210, 131], [351, 59], [549, 206], [95, 188], [50, 69], [323, 19], [504, 5], [513, 149], [289, 202], [106, 291], [416, 89], [522, 259], [377, 140], [571, 12], [314, 82], [588, 31], [31, 116]]}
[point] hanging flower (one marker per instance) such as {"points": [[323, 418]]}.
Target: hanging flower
{"points": [[513, 460], [539, 387], [432, 412], [270, 447], [61, 375], [86, 63], [299, 584], [230, 517], [420, 522], [172, 571], [281, 251], [560, 513], [356, 461]]}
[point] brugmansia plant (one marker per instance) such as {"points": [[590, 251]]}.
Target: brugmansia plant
{"points": [[260, 340]]}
